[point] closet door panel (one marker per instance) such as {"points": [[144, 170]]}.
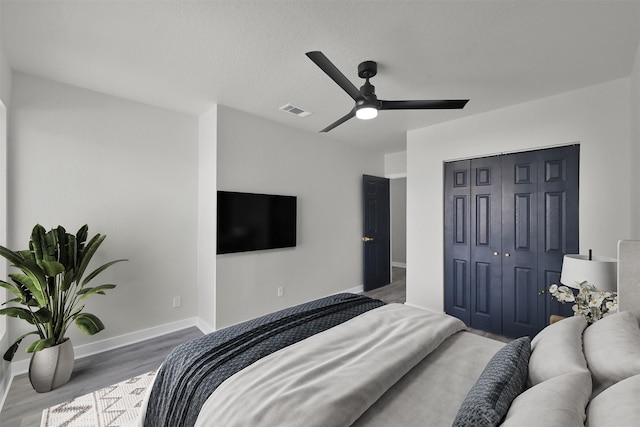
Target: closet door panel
{"points": [[457, 274], [486, 263], [559, 189], [519, 244]]}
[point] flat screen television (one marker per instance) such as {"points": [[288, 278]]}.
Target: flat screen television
{"points": [[251, 222]]}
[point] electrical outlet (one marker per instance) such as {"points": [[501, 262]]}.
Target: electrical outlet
{"points": [[280, 291], [177, 302]]}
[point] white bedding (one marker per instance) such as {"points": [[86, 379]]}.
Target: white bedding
{"points": [[331, 378], [397, 365]]}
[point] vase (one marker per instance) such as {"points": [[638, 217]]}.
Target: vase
{"points": [[51, 367]]}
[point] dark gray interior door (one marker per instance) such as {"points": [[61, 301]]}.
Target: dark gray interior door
{"points": [[376, 239]]}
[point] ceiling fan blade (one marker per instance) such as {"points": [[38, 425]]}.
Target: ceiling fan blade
{"points": [[340, 121], [336, 75], [423, 105]]}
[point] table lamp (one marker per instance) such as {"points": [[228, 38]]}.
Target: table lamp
{"points": [[598, 271]]}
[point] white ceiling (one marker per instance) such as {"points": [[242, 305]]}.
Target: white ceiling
{"points": [[250, 55]]}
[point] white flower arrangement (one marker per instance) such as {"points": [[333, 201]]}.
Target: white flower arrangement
{"points": [[589, 302]]}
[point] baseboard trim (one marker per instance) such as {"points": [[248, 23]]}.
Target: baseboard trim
{"points": [[204, 327], [354, 290], [22, 366]]}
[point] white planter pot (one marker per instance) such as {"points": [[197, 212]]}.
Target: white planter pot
{"points": [[52, 367]]}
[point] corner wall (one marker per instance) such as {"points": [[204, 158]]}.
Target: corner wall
{"points": [[596, 117], [256, 155], [635, 146], [5, 99], [126, 169], [207, 211]]}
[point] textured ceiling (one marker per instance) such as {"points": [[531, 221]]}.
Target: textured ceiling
{"points": [[249, 55]]}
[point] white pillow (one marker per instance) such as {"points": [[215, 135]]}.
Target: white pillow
{"points": [[559, 401], [557, 350], [617, 405], [612, 349]]}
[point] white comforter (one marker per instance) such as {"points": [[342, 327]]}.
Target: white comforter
{"points": [[331, 378]]}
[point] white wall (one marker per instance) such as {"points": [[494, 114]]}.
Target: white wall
{"points": [[128, 170], [398, 187], [395, 165], [596, 117], [635, 147], [5, 79], [207, 211], [5, 96], [255, 155]]}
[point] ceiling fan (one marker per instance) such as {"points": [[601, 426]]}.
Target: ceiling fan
{"points": [[367, 103]]}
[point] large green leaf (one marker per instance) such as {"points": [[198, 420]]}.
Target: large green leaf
{"points": [[100, 270], [63, 247], [84, 293], [51, 246], [40, 344], [43, 315], [87, 253], [18, 312], [52, 268], [34, 280], [72, 251], [76, 311], [14, 258], [67, 280], [81, 237], [37, 243], [89, 323], [16, 290], [8, 355]]}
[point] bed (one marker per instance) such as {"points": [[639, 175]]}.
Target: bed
{"points": [[348, 360]]}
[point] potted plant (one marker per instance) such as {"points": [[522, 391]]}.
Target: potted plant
{"points": [[49, 293]]}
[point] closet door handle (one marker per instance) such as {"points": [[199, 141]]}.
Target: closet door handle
{"points": [[496, 253], [507, 254]]}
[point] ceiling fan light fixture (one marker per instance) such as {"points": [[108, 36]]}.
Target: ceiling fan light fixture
{"points": [[366, 112]]}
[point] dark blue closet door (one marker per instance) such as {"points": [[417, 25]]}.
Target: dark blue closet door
{"points": [[486, 244], [457, 245], [520, 244], [509, 220], [558, 211]]}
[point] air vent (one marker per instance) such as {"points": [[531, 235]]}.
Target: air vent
{"points": [[295, 110]]}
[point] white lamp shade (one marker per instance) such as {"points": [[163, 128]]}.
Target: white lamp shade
{"points": [[600, 272]]}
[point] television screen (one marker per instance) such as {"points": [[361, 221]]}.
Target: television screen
{"points": [[250, 222]]}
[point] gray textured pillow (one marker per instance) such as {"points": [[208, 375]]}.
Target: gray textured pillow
{"points": [[612, 349], [502, 380]]}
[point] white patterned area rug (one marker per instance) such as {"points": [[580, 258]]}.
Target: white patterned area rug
{"points": [[111, 406]]}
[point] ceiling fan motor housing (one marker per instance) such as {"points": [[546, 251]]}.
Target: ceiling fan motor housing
{"points": [[367, 69]]}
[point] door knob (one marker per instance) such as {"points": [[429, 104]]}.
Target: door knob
{"points": [[507, 254], [496, 253], [367, 239]]}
